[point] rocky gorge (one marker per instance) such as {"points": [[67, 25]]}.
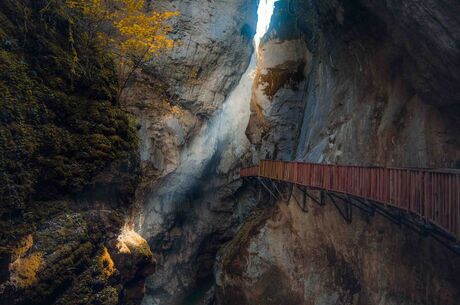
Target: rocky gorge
{"points": [[335, 82], [165, 219]]}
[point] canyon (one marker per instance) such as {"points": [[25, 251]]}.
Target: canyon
{"points": [[342, 82], [169, 220]]}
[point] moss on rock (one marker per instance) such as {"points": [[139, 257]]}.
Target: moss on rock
{"points": [[60, 121], [64, 140]]}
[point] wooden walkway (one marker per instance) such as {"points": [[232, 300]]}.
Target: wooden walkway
{"points": [[431, 195]]}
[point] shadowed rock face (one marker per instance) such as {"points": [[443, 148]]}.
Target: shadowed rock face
{"points": [[362, 98], [316, 257], [376, 87], [188, 214], [338, 81], [429, 32]]}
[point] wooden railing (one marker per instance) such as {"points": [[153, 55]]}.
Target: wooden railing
{"points": [[249, 171], [433, 195]]}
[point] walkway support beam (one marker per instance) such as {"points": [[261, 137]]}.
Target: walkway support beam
{"points": [[430, 195]]}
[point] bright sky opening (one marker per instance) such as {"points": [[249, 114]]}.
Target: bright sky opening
{"points": [[264, 12]]}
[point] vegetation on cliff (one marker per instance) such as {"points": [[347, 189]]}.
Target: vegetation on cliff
{"points": [[126, 30], [68, 150], [60, 120]]}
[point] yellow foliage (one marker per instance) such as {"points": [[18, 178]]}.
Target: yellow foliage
{"points": [[24, 245], [142, 32], [23, 270], [106, 263], [132, 34]]}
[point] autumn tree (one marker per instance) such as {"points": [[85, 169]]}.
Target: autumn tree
{"points": [[131, 33]]}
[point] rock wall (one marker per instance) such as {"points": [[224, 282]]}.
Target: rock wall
{"points": [[185, 214], [278, 98], [68, 163], [176, 93], [365, 101], [290, 254], [348, 82]]}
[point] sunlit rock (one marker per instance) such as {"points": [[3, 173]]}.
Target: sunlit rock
{"points": [[131, 242]]}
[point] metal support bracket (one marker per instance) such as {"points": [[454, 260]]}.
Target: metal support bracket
{"points": [[319, 202], [370, 207], [279, 192], [303, 205], [267, 188], [347, 214]]}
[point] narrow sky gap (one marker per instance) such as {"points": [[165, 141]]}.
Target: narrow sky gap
{"points": [[264, 13], [225, 132]]}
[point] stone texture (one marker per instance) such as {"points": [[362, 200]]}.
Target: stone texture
{"points": [[186, 203], [295, 257], [179, 90], [359, 105], [376, 88], [351, 82], [214, 47], [71, 258], [429, 32], [277, 101]]}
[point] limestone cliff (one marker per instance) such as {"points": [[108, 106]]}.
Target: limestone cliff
{"points": [[365, 82], [185, 199], [349, 82], [296, 255], [362, 96]]}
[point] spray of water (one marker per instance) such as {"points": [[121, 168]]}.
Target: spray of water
{"points": [[224, 132]]}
